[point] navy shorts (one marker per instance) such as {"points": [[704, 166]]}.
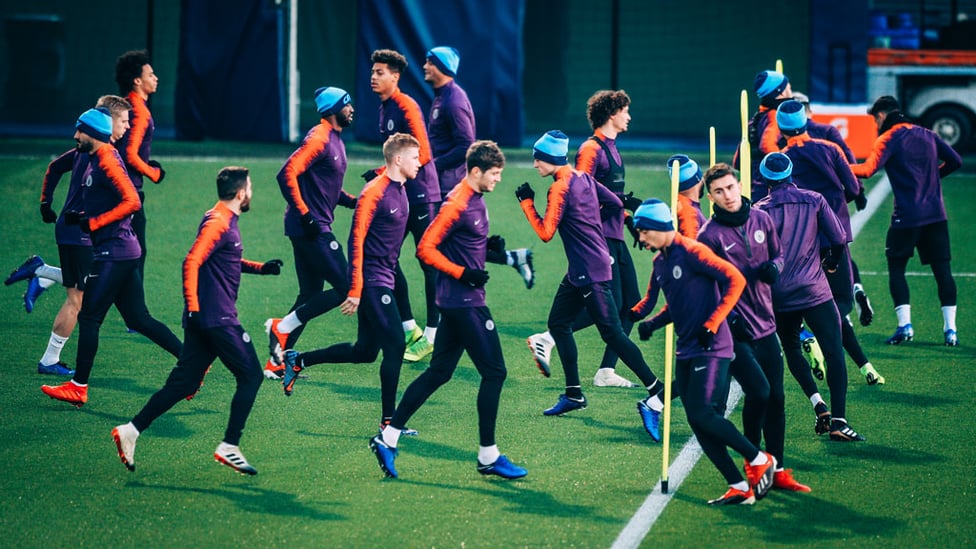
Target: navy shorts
{"points": [[932, 241], [76, 263]]}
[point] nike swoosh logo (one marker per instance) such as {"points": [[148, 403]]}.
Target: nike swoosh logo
{"points": [[336, 157], [477, 222], [700, 368], [394, 210], [422, 216], [587, 294], [730, 246], [237, 244]]}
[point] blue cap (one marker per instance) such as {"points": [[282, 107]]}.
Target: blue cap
{"points": [[776, 167], [689, 174], [770, 83], [445, 58], [791, 115], [330, 100], [552, 148], [653, 215], [97, 123]]}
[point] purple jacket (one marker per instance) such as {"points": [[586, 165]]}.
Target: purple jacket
{"points": [[801, 217], [77, 163], [820, 166], [451, 130], [915, 159], [376, 235], [311, 180], [401, 114], [110, 199], [747, 247], [591, 158]]}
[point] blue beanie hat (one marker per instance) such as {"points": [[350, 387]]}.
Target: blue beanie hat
{"points": [[552, 148], [330, 100], [689, 174], [770, 83], [791, 115], [445, 58], [776, 167], [653, 215], [97, 123]]}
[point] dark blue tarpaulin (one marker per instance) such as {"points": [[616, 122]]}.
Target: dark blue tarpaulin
{"points": [[488, 36], [230, 76]]}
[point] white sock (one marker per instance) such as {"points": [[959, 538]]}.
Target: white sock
{"points": [[815, 399], [760, 459], [740, 486], [430, 334], [488, 454], [391, 436], [655, 403], [858, 287], [904, 314], [949, 317], [53, 353], [288, 324], [75, 383], [133, 427], [48, 272], [409, 325], [46, 282]]}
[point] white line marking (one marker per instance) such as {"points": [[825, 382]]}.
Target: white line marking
{"points": [[642, 521]]}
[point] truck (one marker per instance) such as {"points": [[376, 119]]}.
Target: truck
{"points": [[935, 87]]}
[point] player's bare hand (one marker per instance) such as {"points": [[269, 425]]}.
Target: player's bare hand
{"points": [[349, 306]]}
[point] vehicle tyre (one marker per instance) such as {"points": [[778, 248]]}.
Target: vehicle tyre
{"points": [[953, 124]]}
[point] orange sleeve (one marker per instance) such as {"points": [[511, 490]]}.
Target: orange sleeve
{"points": [[769, 140], [586, 156], [109, 160], [687, 218], [873, 162], [448, 215], [207, 238], [722, 269], [138, 124], [545, 227], [296, 165], [251, 267], [365, 211], [415, 120]]}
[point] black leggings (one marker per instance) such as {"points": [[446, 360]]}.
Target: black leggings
{"points": [[824, 321], [898, 284], [758, 367]]}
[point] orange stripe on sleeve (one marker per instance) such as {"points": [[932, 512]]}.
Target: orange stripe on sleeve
{"points": [[207, 238], [110, 161], [872, 162], [365, 211], [545, 227], [138, 125], [415, 120], [297, 164], [586, 156], [731, 290], [450, 212], [769, 141], [687, 218]]}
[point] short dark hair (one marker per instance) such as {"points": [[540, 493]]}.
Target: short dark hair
{"points": [[128, 67], [114, 104], [230, 180], [484, 155], [391, 58], [884, 104], [716, 172], [604, 104]]}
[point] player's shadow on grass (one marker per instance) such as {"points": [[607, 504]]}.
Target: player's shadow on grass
{"points": [[520, 499], [250, 499], [910, 399], [880, 453]]}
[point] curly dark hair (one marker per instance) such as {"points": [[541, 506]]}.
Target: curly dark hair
{"points": [[604, 104], [392, 58], [128, 67]]}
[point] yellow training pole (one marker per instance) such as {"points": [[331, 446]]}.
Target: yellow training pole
{"points": [[669, 348], [711, 159], [779, 66], [745, 153]]}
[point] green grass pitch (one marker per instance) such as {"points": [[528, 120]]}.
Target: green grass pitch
{"points": [[910, 485]]}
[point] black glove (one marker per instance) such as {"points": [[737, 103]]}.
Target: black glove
{"points": [[631, 202], [524, 192], [645, 330], [369, 175], [310, 226], [634, 316], [738, 328], [496, 244], [72, 217], [830, 261], [705, 338], [192, 320], [47, 213], [476, 278], [272, 267], [861, 201], [629, 223], [162, 172], [768, 272]]}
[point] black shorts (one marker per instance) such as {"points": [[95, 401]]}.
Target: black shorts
{"points": [[75, 265], [932, 241]]}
